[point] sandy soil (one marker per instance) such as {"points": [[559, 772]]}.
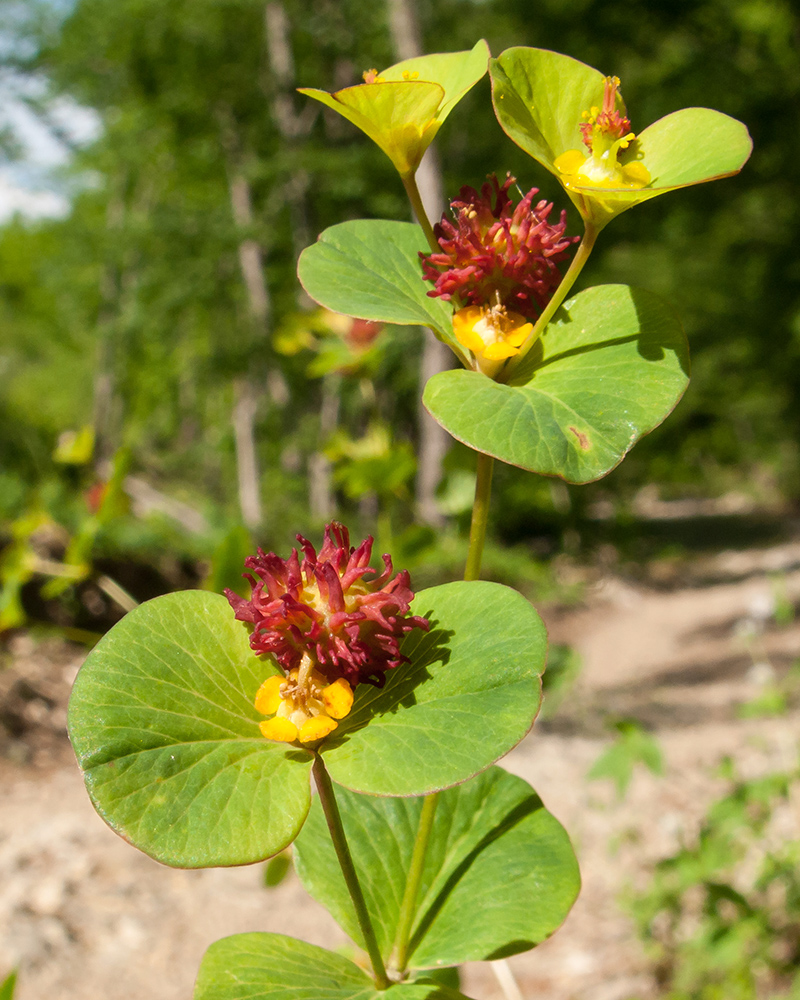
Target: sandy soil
{"points": [[85, 915]]}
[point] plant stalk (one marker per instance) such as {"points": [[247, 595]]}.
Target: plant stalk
{"points": [[334, 821], [477, 536], [410, 184], [576, 266], [480, 516], [409, 903]]}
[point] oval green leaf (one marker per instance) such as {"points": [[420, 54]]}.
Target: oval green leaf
{"points": [[162, 722], [609, 368], [275, 967], [469, 694], [500, 874], [370, 268]]}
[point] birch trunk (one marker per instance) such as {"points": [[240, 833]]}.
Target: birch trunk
{"points": [[245, 394], [293, 127]]}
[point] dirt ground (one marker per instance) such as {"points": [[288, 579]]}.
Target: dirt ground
{"points": [[85, 915]]}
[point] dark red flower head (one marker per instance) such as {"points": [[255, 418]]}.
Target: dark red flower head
{"points": [[497, 254], [324, 606]]}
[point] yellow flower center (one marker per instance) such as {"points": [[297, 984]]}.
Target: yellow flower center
{"points": [[492, 333], [305, 705], [606, 133], [601, 168]]}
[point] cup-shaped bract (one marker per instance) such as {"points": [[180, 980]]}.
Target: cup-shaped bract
{"points": [[402, 108], [571, 118]]}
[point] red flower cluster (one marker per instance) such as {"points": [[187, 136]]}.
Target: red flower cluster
{"points": [[323, 606], [498, 254]]}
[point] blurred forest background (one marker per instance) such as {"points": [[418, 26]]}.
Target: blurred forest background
{"points": [[168, 394]]}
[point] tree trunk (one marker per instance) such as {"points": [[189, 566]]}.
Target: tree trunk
{"points": [[245, 394], [434, 441], [245, 407], [291, 125]]}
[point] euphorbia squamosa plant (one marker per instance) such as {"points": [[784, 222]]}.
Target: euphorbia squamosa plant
{"points": [[198, 721]]}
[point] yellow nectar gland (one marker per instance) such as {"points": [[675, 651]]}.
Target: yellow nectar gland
{"points": [[305, 705], [492, 333]]}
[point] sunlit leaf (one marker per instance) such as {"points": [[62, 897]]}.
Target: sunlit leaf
{"points": [[370, 268], [404, 108], [539, 98], [608, 369], [162, 721], [469, 694]]}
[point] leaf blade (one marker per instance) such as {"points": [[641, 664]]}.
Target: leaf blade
{"points": [[608, 369], [370, 268], [470, 693], [500, 874], [162, 722]]}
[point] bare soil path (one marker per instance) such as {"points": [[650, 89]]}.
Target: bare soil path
{"points": [[84, 915]]}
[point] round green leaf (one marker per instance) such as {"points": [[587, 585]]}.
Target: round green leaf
{"points": [[500, 874], [274, 967], [370, 268], [162, 721], [469, 694], [608, 369]]}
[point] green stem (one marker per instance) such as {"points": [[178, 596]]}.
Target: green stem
{"points": [[410, 184], [477, 536], [334, 821], [480, 516], [409, 904], [578, 261]]}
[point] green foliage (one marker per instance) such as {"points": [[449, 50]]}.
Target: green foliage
{"points": [[775, 698], [722, 916], [500, 875], [540, 97], [370, 268], [276, 869], [610, 368], [274, 967], [143, 281], [372, 465], [227, 563], [7, 986], [470, 693], [176, 273], [406, 106], [162, 721], [632, 746]]}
